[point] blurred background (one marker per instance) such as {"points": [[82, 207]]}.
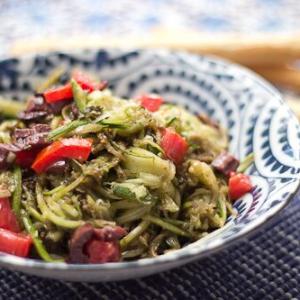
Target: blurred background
{"points": [[260, 34], [42, 18]]}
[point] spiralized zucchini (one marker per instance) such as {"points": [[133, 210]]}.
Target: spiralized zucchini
{"points": [[128, 180]]}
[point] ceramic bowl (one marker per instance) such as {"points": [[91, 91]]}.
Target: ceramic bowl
{"points": [[256, 117]]}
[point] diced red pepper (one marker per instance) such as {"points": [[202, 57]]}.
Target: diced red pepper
{"points": [[59, 94], [95, 245], [85, 81], [8, 219], [25, 158], [151, 102], [101, 251], [15, 243], [75, 148], [174, 145], [239, 184]]}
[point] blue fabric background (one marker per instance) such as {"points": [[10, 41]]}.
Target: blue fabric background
{"points": [[42, 18]]}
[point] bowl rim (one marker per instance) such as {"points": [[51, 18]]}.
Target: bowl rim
{"points": [[185, 252]]}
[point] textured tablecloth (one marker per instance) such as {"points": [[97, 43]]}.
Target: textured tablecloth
{"points": [[265, 266]]}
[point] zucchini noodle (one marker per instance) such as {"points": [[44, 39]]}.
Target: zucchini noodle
{"points": [[11, 108], [97, 160], [40, 248], [16, 201]]}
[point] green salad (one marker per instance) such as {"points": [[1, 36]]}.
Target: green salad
{"points": [[88, 177]]}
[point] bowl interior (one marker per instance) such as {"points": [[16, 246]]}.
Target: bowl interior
{"points": [[256, 118]]}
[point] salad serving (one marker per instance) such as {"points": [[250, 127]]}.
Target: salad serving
{"points": [[88, 177]]}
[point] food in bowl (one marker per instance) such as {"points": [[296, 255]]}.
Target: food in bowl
{"points": [[88, 177]]}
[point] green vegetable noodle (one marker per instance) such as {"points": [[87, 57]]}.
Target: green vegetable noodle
{"points": [[16, 201], [93, 178]]}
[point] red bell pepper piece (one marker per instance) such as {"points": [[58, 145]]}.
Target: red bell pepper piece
{"points": [[174, 145], [75, 148], [102, 251], [85, 81], [239, 184], [8, 219], [14, 243], [25, 158], [151, 102], [59, 94]]}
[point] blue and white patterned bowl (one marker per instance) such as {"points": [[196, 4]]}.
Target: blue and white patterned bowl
{"points": [[256, 117]]}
